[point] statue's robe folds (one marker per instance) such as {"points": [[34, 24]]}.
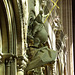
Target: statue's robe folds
{"points": [[42, 56]]}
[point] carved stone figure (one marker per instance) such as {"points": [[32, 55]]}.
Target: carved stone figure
{"points": [[39, 53]]}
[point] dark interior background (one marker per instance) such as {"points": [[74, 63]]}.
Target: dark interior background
{"points": [[73, 14]]}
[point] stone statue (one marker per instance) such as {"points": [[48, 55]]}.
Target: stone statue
{"points": [[39, 53]]}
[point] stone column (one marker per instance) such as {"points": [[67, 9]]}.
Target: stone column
{"points": [[20, 72], [2, 67]]}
